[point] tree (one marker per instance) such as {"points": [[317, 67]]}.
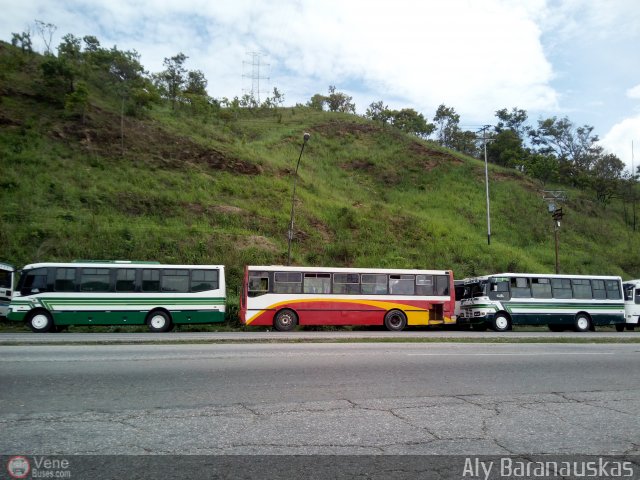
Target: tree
{"points": [[410, 121], [57, 72], [46, 31], [513, 120], [22, 41], [378, 112], [466, 142], [277, 100], [339, 102], [196, 83], [317, 102], [606, 176], [77, 101], [92, 44], [171, 80], [506, 149], [575, 148], [447, 125], [543, 168]]}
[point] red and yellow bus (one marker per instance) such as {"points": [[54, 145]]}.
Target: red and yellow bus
{"points": [[283, 297]]}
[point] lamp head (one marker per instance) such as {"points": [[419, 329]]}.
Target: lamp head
{"points": [[306, 137]]}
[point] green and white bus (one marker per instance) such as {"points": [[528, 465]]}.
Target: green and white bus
{"points": [[631, 305], [560, 301], [7, 277], [52, 295]]}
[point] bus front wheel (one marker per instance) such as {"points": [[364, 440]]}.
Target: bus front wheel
{"points": [[285, 320], [395, 320], [40, 321], [501, 323], [159, 321], [583, 323]]}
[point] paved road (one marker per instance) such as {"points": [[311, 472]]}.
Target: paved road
{"points": [[263, 336], [320, 398]]}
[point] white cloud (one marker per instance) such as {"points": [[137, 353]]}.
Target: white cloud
{"points": [[634, 92], [475, 56], [619, 139]]}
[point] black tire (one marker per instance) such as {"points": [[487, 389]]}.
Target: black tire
{"points": [[285, 320], [501, 323], [554, 327], [582, 323], [41, 321], [619, 327], [395, 320], [159, 321]]}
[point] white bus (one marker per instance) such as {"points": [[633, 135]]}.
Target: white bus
{"points": [[283, 297], [7, 278], [51, 295], [560, 301], [631, 305]]}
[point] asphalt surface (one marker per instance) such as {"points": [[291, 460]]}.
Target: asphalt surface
{"points": [[302, 335], [372, 398]]}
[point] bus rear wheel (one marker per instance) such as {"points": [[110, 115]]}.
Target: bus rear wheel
{"points": [[285, 320], [619, 327], [582, 323], [40, 321], [159, 321], [395, 320]]}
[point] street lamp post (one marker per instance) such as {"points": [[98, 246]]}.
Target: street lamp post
{"points": [[486, 182], [293, 196]]}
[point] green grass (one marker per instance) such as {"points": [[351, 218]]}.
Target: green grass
{"points": [[217, 189]]}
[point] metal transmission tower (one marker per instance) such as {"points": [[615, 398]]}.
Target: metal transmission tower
{"points": [[254, 66]]}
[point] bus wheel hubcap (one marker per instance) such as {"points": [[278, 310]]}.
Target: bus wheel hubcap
{"points": [[501, 323], [39, 321], [157, 321], [583, 324]]}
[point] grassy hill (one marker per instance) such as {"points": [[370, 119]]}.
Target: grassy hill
{"points": [[217, 189]]}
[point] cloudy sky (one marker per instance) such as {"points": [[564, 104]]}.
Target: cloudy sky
{"points": [[575, 58]]}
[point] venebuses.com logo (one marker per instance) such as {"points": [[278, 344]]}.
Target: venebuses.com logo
{"points": [[18, 467]]}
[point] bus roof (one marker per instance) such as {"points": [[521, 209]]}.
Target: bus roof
{"points": [[542, 275], [6, 266], [282, 268], [115, 264]]}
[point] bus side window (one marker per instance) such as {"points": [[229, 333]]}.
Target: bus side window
{"points": [[520, 287], [442, 285], [258, 284], [637, 296], [65, 280]]}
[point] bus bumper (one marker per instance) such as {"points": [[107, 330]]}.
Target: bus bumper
{"points": [[14, 316], [474, 320]]}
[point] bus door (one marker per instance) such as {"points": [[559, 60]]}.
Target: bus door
{"points": [[7, 280], [632, 303]]}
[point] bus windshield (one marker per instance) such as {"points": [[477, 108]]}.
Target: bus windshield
{"points": [[478, 289]]}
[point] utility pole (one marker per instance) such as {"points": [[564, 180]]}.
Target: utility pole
{"points": [[553, 197], [486, 181], [633, 184]]}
